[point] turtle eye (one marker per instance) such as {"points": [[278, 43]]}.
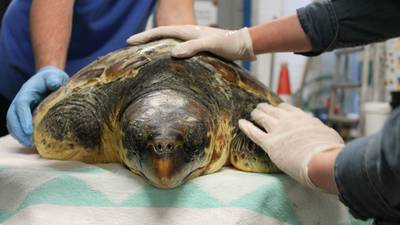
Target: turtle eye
{"points": [[195, 141], [135, 138]]}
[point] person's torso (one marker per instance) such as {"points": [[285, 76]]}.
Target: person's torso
{"points": [[99, 27]]}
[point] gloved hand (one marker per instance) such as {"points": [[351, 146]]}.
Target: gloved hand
{"points": [[19, 115], [293, 138], [229, 44]]}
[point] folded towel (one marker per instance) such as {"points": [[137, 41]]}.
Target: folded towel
{"points": [[40, 192]]}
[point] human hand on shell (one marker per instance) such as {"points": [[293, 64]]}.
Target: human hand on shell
{"points": [[292, 139], [229, 44], [19, 115]]}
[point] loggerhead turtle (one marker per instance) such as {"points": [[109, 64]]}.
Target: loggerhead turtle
{"points": [[166, 119]]}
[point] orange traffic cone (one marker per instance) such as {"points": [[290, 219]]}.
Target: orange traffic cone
{"points": [[284, 84]]}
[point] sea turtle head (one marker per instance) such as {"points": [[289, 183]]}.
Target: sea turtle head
{"points": [[165, 137]]}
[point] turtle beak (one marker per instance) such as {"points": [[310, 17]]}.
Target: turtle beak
{"points": [[163, 168], [163, 163]]}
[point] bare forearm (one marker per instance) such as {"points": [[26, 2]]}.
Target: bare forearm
{"points": [[321, 170], [51, 23], [175, 12], [281, 35]]}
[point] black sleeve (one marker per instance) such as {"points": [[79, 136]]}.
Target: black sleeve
{"points": [[347, 23], [3, 7], [367, 174]]}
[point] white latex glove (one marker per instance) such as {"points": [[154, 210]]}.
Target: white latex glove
{"points": [[293, 138], [229, 44]]}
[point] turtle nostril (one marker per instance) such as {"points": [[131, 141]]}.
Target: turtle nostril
{"points": [[163, 146]]}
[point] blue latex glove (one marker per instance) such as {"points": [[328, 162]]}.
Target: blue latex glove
{"points": [[19, 115]]}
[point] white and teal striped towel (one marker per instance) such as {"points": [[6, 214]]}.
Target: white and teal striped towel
{"points": [[40, 192]]}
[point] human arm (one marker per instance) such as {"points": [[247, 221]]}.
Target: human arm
{"points": [[345, 23], [367, 173], [50, 23], [280, 35], [175, 12], [321, 170], [285, 34], [318, 27]]}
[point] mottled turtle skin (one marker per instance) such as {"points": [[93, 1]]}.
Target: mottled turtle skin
{"points": [[166, 119]]}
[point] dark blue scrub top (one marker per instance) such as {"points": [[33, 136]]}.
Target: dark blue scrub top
{"points": [[99, 27]]}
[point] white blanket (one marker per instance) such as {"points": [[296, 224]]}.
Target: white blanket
{"points": [[40, 192]]}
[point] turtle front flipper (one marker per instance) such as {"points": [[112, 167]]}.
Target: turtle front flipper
{"points": [[77, 128], [247, 156]]}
